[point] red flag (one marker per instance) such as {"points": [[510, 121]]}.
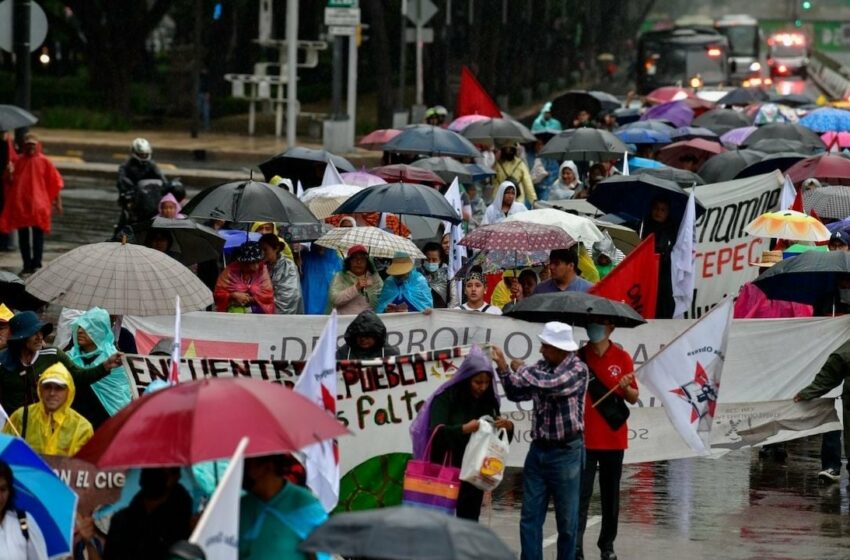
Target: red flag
{"points": [[635, 280], [797, 206], [473, 99]]}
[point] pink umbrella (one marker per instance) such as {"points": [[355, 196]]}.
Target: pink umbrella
{"points": [[839, 139], [376, 139], [460, 123], [361, 178], [736, 136]]}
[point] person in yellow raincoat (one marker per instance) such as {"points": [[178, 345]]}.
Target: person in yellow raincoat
{"points": [[54, 428]]}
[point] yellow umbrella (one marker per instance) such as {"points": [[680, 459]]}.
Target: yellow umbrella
{"points": [[788, 224]]}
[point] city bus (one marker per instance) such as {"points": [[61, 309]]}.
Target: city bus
{"points": [[745, 43], [685, 57]]}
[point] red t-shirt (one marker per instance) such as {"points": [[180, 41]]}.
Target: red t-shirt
{"points": [[608, 368]]}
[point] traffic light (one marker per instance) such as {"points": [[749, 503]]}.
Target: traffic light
{"points": [[798, 23], [807, 4]]}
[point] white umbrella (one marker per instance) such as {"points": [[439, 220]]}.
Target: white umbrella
{"points": [[378, 242], [788, 224], [578, 227], [322, 201], [122, 278]]}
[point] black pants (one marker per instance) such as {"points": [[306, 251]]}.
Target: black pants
{"points": [[31, 242], [469, 500], [830, 450], [610, 466]]}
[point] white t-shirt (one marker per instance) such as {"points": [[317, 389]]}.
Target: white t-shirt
{"points": [[486, 308], [13, 545]]}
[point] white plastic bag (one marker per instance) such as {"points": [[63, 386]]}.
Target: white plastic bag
{"points": [[484, 459]]}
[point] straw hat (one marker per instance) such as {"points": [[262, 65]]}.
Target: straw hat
{"points": [[768, 259], [401, 265]]}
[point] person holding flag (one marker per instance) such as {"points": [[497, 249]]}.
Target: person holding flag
{"points": [[610, 367]]}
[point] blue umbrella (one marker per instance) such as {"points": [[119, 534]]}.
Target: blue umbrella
{"points": [[236, 237], [479, 171], [431, 141], [42, 494], [827, 119], [843, 225], [644, 163], [642, 136]]}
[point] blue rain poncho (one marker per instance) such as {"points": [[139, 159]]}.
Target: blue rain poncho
{"points": [[414, 291]]}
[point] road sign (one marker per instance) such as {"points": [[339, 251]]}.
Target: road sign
{"points": [[342, 16], [343, 3], [420, 12], [427, 35], [38, 26], [342, 30]]}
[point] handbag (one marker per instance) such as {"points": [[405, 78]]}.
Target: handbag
{"points": [[613, 409], [485, 455], [430, 485]]}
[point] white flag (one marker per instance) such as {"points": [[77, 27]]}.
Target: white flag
{"points": [[331, 176], [626, 163], [456, 251], [217, 532], [299, 190], [174, 373], [682, 260], [789, 193], [685, 376], [318, 383]]}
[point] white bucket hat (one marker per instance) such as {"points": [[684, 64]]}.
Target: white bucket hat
{"points": [[559, 335]]}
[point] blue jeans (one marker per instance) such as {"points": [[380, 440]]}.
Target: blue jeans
{"points": [[551, 472]]}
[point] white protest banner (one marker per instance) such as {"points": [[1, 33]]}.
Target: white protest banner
{"points": [[723, 251]]}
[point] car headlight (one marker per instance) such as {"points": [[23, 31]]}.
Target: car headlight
{"points": [[755, 67]]}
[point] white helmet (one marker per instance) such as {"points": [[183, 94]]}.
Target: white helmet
{"points": [[141, 149]]}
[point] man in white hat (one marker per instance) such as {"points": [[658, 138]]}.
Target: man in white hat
{"points": [[556, 385]]}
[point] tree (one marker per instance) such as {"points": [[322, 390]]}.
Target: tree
{"points": [[114, 35]]}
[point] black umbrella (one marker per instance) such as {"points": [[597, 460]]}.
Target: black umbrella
{"points": [[743, 96], [584, 144], [249, 201], [401, 198], [431, 141], [681, 177], [565, 107], [493, 131], [722, 120], [606, 100], [446, 168], [14, 294], [792, 99], [405, 533], [192, 242], [576, 308], [779, 161], [303, 164], [12, 117], [808, 278], [787, 131], [777, 145], [691, 132], [631, 196], [726, 166]]}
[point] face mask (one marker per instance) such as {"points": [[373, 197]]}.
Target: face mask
{"points": [[596, 332], [844, 295], [431, 267]]}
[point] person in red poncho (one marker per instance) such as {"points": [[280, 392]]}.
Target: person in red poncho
{"points": [[28, 201], [245, 285]]}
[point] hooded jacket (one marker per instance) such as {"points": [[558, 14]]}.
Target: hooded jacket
{"points": [[346, 297], [517, 169], [413, 290], [113, 391], [71, 431], [494, 214], [28, 198], [366, 323], [561, 190], [171, 198]]}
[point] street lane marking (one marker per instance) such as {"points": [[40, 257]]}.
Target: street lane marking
{"points": [[592, 520]]}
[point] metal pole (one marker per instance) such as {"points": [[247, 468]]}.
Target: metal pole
{"points": [[420, 81], [352, 86], [21, 48], [196, 71], [292, 70], [336, 80], [402, 59]]}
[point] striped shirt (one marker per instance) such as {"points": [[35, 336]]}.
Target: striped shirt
{"points": [[557, 393]]}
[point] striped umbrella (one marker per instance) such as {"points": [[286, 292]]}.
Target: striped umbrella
{"points": [[378, 242]]}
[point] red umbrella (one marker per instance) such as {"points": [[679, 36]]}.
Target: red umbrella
{"points": [[700, 148], [401, 173], [840, 139], [827, 168], [204, 420], [669, 93], [376, 139], [518, 236]]}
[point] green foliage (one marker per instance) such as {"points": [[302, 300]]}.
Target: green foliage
{"points": [[82, 118]]}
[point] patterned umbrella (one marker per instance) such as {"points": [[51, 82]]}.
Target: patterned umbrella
{"points": [[518, 236], [322, 201], [772, 113], [788, 224], [839, 139], [380, 243], [579, 228], [376, 139], [122, 278], [668, 93], [827, 119], [494, 262], [829, 202], [736, 136]]}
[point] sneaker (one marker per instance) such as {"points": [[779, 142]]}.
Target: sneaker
{"points": [[609, 555], [829, 475]]}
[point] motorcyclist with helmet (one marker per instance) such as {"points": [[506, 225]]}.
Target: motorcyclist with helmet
{"points": [[141, 185]]}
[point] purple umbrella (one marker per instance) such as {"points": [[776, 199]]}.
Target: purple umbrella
{"points": [[736, 136], [843, 225], [679, 113]]}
